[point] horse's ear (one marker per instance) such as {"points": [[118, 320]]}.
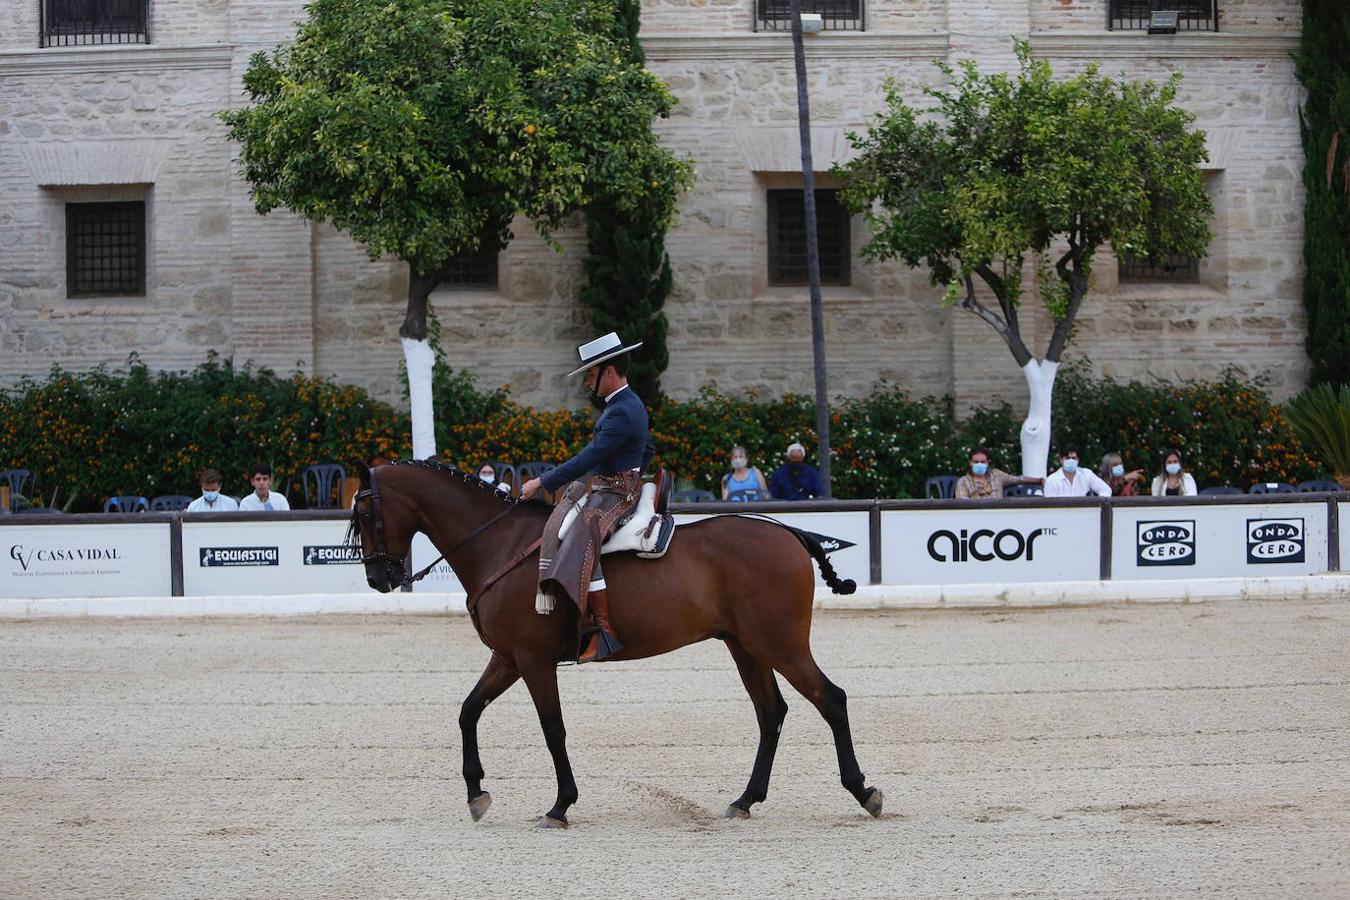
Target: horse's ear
{"points": [[363, 473]]}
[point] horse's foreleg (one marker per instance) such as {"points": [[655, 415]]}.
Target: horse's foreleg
{"points": [[770, 710], [496, 678], [804, 675], [543, 685]]}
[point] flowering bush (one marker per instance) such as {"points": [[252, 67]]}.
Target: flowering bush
{"points": [[93, 434]]}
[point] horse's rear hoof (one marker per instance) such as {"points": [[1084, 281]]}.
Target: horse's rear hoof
{"points": [[735, 812], [550, 822], [478, 806], [873, 803]]}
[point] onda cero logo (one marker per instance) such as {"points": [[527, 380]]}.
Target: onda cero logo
{"points": [[1169, 543], [1275, 541], [985, 544]]}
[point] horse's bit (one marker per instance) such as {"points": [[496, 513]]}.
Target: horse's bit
{"points": [[398, 563]]}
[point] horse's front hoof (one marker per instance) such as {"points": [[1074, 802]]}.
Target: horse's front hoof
{"points": [[873, 803], [478, 806], [550, 822], [735, 812]]}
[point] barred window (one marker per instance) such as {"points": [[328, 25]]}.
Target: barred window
{"points": [[787, 237], [1176, 269], [1192, 15], [105, 249], [838, 15], [66, 23], [473, 270]]}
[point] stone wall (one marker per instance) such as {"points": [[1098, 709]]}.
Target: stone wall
{"points": [[106, 123]]}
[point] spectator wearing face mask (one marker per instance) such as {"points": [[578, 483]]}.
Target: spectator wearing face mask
{"points": [[795, 480], [1112, 471], [982, 482], [1070, 481], [488, 475], [212, 500], [744, 481], [1173, 480]]}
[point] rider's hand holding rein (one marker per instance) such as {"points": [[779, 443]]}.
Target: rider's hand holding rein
{"points": [[530, 488]]}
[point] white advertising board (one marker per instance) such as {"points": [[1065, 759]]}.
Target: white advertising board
{"points": [[441, 579], [1251, 540], [121, 560], [994, 546], [281, 557], [1343, 524], [843, 536]]}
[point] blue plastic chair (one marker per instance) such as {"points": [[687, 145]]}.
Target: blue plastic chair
{"points": [[170, 503], [1310, 486], [1023, 490], [20, 483], [127, 503], [1218, 490], [693, 497], [1272, 487], [940, 487], [324, 484], [747, 496]]}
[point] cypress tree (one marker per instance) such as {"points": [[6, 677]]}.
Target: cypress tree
{"points": [[627, 269], [1324, 69]]}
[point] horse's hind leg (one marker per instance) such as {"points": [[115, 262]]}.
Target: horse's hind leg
{"points": [[804, 675], [496, 678], [770, 710], [543, 685]]}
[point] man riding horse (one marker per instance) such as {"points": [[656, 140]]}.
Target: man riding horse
{"points": [[605, 479]]}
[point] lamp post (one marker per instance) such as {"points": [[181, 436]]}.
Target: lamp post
{"points": [[812, 249]]}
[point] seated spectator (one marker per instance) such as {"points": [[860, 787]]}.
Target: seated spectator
{"points": [[488, 475], [744, 481], [1070, 481], [1113, 472], [1173, 480], [795, 480], [983, 482], [212, 500], [263, 497]]}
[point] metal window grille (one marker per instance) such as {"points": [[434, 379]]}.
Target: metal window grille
{"points": [[1174, 268], [1192, 15], [67, 23], [787, 238], [473, 269], [838, 15], [105, 249]]}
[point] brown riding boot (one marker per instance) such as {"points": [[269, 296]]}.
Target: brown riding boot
{"points": [[603, 642]]}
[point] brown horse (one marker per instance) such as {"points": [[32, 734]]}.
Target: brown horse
{"points": [[759, 606]]}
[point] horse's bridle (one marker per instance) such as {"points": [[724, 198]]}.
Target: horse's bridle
{"points": [[394, 563]]}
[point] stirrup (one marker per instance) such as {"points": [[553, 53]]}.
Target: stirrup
{"points": [[602, 644]]}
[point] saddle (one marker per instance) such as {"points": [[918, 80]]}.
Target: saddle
{"points": [[647, 530]]}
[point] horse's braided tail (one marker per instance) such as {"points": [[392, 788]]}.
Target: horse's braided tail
{"points": [[837, 584]]}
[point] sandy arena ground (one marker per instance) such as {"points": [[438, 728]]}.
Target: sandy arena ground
{"points": [[1122, 751]]}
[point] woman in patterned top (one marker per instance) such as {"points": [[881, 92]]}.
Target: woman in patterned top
{"points": [[984, 483]]}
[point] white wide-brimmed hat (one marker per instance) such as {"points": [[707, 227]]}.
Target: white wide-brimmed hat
{"points": [[600, 350]]}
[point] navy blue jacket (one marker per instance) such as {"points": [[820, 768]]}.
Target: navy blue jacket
{"points": [[621, 441], [801, 484]]}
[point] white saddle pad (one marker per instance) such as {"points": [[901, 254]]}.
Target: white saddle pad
{"points": [[632, 534]]}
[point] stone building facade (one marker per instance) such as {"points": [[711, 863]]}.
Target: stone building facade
{"points": [[134, 122]]}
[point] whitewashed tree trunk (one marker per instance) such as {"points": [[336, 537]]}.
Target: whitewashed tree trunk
{"points": [[1040, 375], [419, 358]]}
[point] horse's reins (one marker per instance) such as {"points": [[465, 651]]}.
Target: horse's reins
{"points": [[383, 555]]}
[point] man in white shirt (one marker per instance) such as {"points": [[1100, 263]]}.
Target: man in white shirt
{"points": [[263, 498], [1071, 481], [212, 500]]}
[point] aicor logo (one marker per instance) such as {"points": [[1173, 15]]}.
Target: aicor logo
{"points": [[1275, 541], [1170, 543], [985, 544]]}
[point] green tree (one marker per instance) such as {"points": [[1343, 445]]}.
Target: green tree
{"points": [[627, 270], [422, 128], [1324, 69], [1015, 171]]}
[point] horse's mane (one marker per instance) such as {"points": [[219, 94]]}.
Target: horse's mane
{"points": [[442, 468]]}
